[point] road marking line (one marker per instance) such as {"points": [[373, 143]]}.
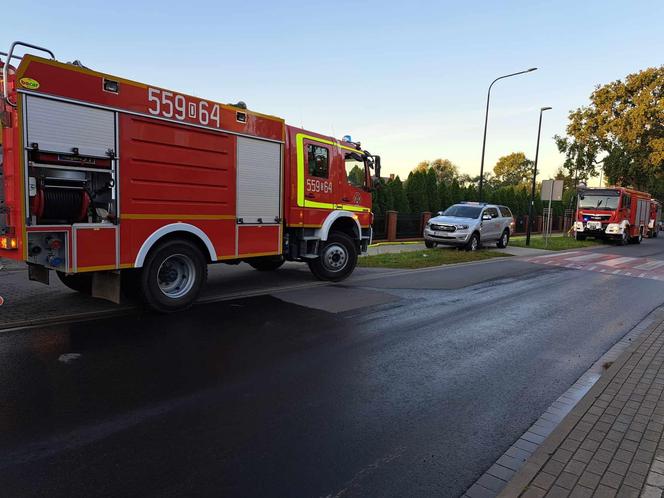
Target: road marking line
{"points": [[617, 261], [650, 265], [586, 257], [642, 275], [592, 268]]}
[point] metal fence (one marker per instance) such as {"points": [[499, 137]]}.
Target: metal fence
{"points": [[380, 228], [408, 226]]}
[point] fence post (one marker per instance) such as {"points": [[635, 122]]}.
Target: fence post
{"points": [[392, 226], [426, 216]]}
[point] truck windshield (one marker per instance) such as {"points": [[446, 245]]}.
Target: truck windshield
{"points": [[460, 211], [354, 171], [609, 202]]}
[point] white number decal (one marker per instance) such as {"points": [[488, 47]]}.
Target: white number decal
{"points": [[180, 112], [152, 97], [319, 186], [165, 96], [214, 115], [203, 115], [174, 105]]}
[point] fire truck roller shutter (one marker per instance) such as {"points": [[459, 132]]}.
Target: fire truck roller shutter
{"points": [[258, 181], [334, 216], [172, 228], [61, 127]]}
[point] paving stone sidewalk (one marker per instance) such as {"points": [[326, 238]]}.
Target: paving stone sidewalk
{"points": [[612, 442]]}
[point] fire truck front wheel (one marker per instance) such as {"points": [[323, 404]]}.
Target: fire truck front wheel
{"points": [[338, 257], [79, 282], [173, 276]]}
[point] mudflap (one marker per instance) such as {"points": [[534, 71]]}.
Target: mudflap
{"points": [[38, 273], [106, 285]]}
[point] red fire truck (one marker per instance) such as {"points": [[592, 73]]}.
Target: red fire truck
{"points": [[614, 213], [655, 218], [117, 184]]}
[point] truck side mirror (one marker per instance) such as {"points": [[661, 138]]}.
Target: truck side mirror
{"points": [[377, 166]]}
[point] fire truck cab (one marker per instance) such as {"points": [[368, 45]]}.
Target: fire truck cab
{"points": [[115, 184], [612, 213]]}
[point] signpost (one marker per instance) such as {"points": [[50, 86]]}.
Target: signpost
{"points": [[552, 190]]}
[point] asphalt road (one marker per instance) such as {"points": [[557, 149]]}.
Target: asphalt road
{"points": [[397, 384]]}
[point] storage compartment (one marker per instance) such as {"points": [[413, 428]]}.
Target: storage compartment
{"points": [[95, 247], [258, 240], [71, 163], [258, 181]]}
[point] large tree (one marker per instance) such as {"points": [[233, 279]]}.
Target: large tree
{"points": [[446, 170], [621, 131], [513, 169]]}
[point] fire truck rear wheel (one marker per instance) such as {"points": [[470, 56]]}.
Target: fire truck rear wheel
{"points": [[338, 257], [173, 276], [79, 282]]}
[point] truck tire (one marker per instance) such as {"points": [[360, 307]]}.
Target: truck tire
{"points": [[474, 242], [429, 244], [504, 239], [579, 236], [267, 263], [173, 275], [624, 238], [337, 260], [79, 282]]}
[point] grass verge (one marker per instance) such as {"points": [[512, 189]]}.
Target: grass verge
{"points": [[555, 243], [423, 259]]}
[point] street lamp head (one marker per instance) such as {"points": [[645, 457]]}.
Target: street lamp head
{"points": [[545, 108], [532, 69]]}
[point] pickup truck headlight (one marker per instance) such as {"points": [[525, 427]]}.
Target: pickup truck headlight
{"points": [[461, 227]]}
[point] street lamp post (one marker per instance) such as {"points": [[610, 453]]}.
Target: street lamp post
{"points": [[486, 121], [532, 191]]}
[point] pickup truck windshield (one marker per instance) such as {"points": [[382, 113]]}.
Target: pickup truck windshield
{"points": [[460, 211]]}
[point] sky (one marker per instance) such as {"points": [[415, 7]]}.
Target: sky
{"points": [[407, 79]]}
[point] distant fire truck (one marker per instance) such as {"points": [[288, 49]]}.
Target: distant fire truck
{"points": [[614, 213], [113, 183]]}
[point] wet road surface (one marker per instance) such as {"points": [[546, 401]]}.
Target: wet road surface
{"points": [[408, 384]]}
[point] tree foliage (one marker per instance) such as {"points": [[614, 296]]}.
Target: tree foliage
{"points": [[513, 169], [621, 131]]}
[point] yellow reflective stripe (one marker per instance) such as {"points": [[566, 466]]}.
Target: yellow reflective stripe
{"points": [[326, 205], [299, 144]]}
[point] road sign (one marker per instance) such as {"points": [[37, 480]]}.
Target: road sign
{"points": [[552, 190]]}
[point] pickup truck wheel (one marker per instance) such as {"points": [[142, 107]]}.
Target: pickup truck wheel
{"points": [[504, 239], [173, 276], [429, 244], [337, 260], [268, 263], [474, 243], [79, 282]]}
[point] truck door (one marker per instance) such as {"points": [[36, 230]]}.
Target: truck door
{"points": [[491, 228], [319, 175]]}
